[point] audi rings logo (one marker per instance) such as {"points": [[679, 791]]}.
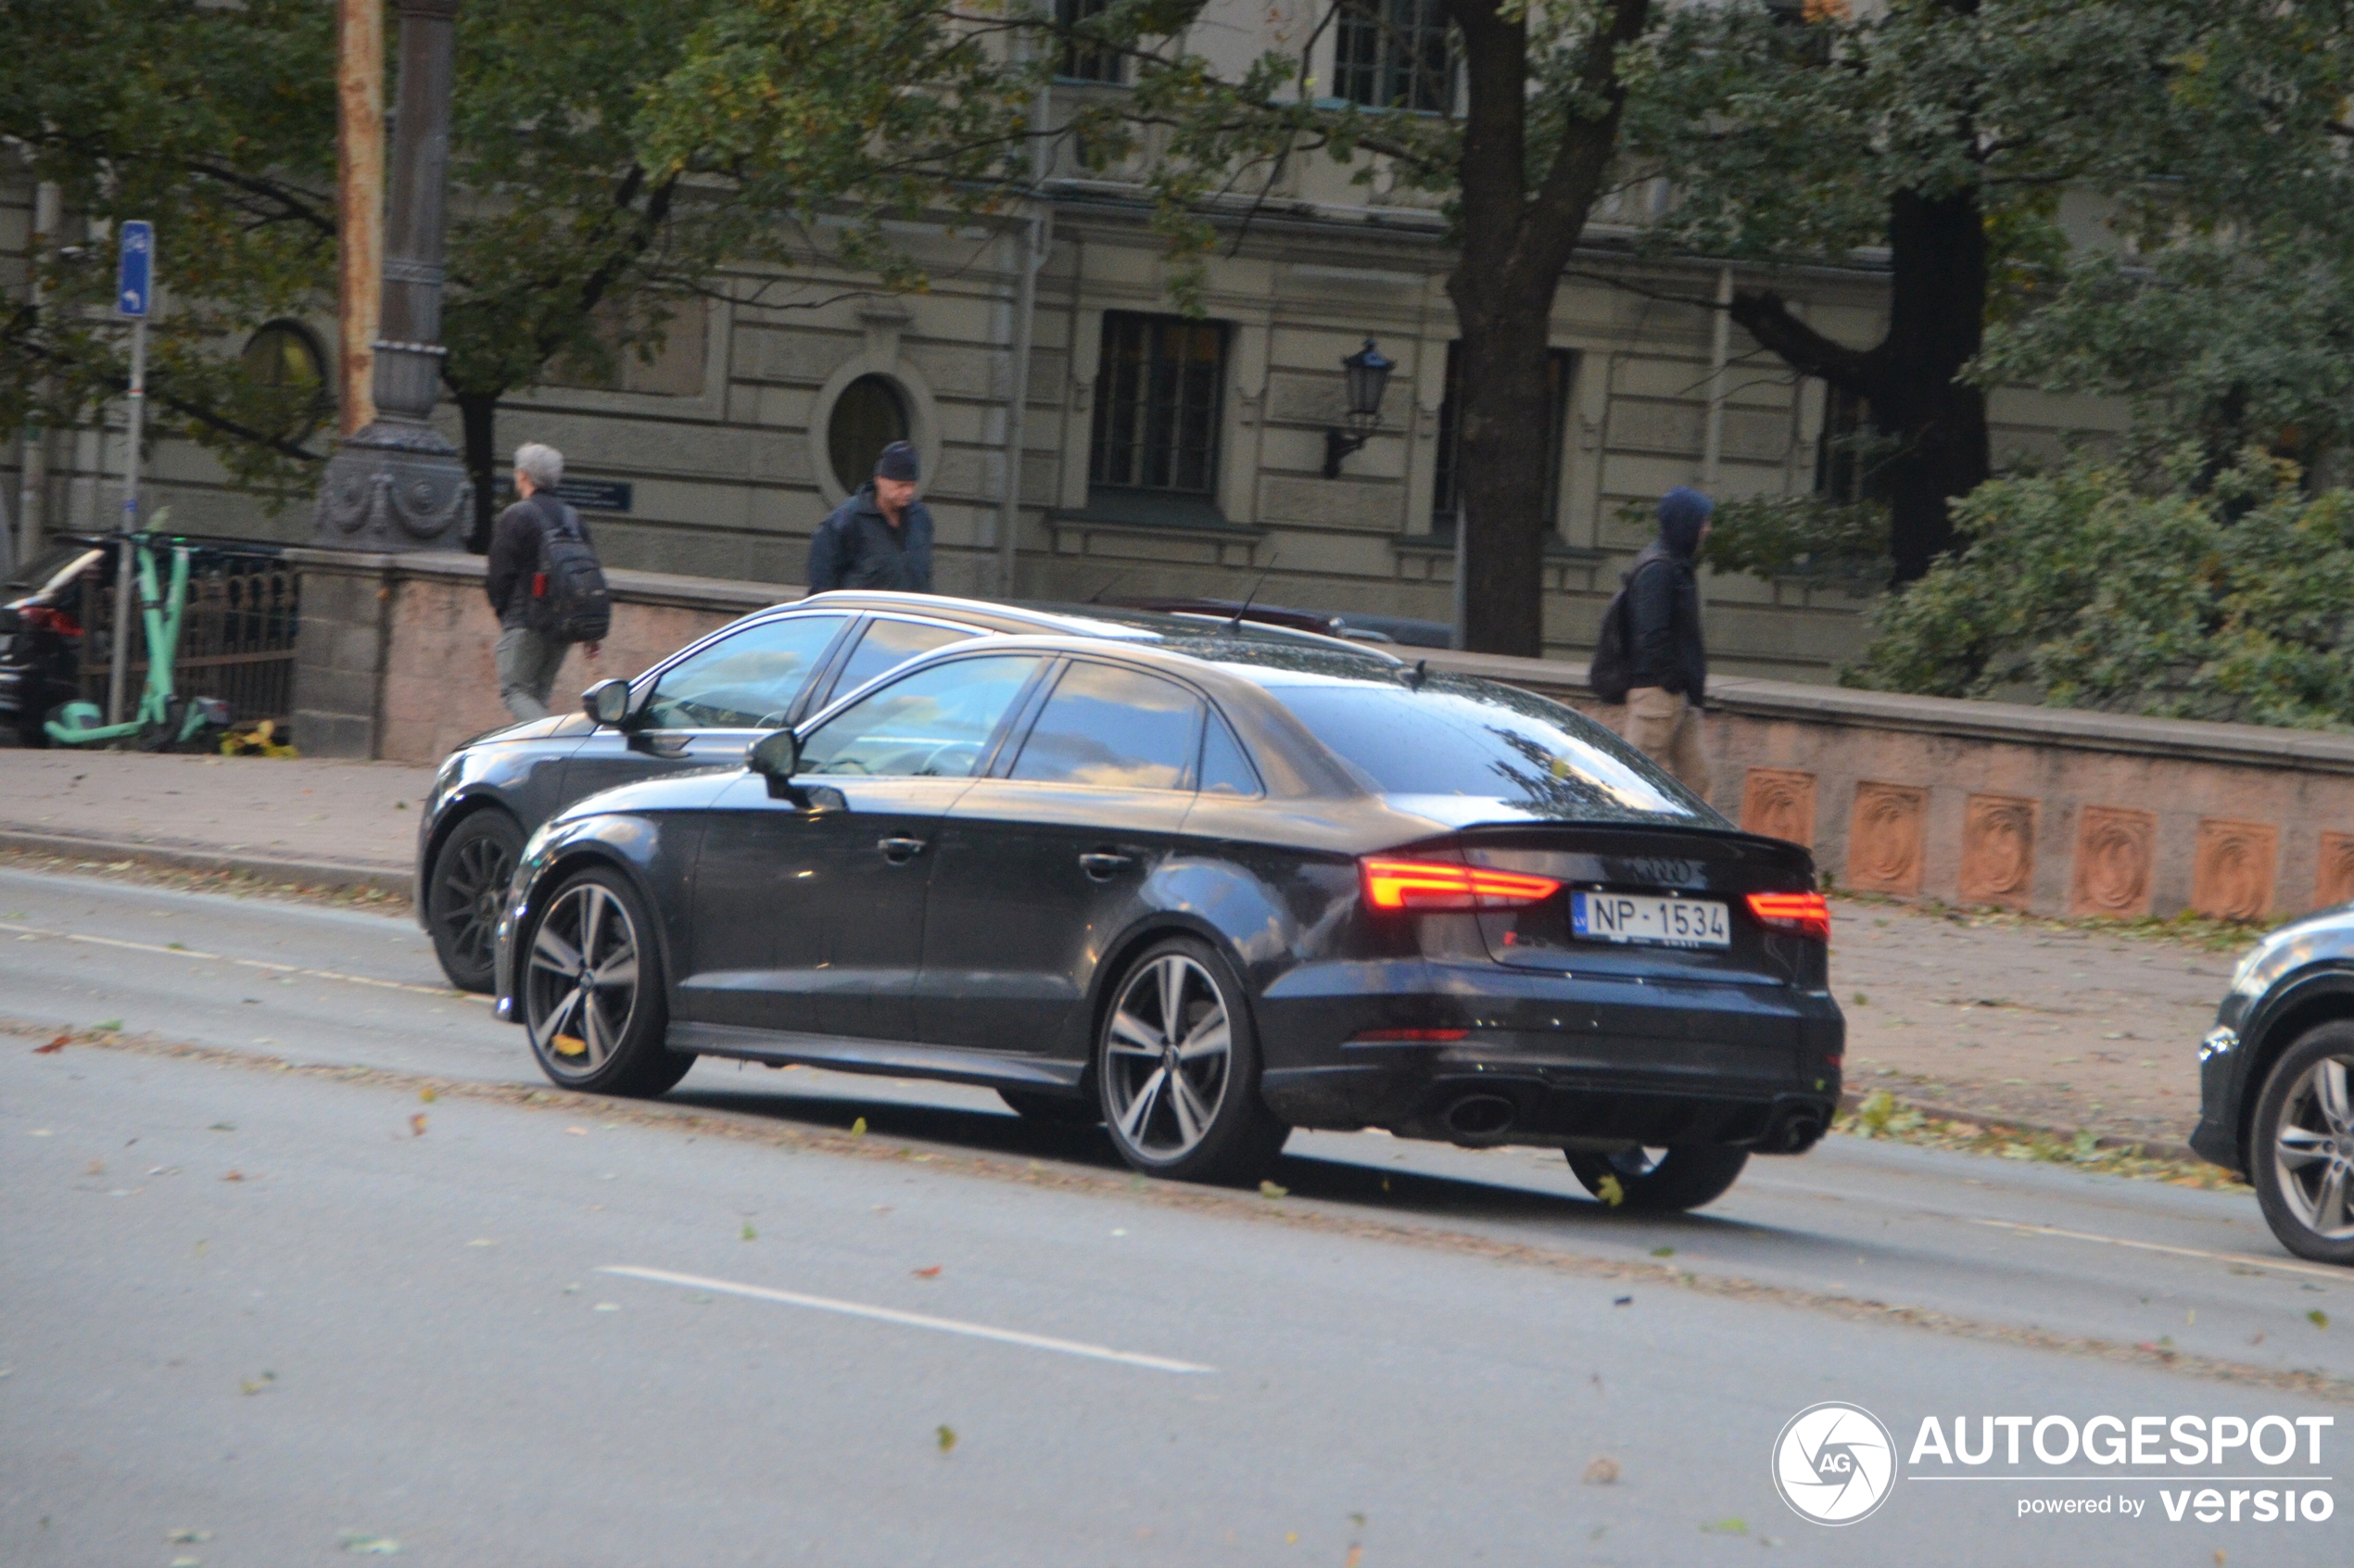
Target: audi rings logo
{"points": [[1834, 1463]]}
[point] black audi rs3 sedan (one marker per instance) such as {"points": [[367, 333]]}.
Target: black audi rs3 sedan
{"points": [[1205, 892], [699, 708], [2276, 1082]]}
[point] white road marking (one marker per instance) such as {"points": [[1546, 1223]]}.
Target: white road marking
{"points": [[907, 1320], [440, 991], [2315, 1269]]}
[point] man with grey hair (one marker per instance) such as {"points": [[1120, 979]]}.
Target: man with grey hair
{"points": [[528, 662]]}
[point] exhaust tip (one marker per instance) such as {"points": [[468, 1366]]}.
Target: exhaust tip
{"points": [[1800, 1133], [1480, 1116]]}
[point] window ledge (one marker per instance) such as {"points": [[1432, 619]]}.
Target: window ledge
{"points": [[1556, 549], [1146, 511]]}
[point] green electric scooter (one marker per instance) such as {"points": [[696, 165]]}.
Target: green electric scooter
{"points": [[164, 721]]}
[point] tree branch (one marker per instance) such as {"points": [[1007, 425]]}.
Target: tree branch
{"points": [[1765, 316]]}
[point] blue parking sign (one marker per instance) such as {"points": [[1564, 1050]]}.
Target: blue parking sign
{"points": [[133, 283]]}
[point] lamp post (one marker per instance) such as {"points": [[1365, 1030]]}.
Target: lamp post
{"points": [[397, 483], [1368, 379]]}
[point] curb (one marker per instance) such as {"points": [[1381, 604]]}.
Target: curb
{"points": [[2148, 1148], [305, 873]]}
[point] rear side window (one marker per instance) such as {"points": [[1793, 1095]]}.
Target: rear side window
{"points": [[887, 644], [1225, 769], [746, 680], [934, 724], [1114, 727], [1486, 742]]}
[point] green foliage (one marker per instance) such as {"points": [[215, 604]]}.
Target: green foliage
{"points": [[2080, 589], [1798, 536]]}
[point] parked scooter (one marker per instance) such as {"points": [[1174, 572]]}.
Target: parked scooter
{"points": [[164, 720]]}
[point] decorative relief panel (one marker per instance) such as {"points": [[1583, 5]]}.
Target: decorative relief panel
{"points": [[1998, 851], [1887, 838], [2333, 878], [1779, 802], [2231, 874], [2115, 851]]}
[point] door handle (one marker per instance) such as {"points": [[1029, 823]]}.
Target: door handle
{"points": [[899, 851], [1103, 864]]}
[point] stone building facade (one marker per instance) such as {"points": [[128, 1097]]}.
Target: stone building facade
{"points": [[1163, 455]]}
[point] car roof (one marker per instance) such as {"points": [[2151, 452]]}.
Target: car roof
{"points": [[1118, 622]]}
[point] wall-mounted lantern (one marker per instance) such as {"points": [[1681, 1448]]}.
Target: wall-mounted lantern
{"points": [[1368, 379]]}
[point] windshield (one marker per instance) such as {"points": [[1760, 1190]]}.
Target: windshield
{"points": [[1453, 740]]}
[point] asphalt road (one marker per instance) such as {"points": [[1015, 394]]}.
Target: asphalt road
{"points": [[374, 1334]]}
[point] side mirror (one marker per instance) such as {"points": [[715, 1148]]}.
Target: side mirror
{"points": [[775, 756], [607, 703]]}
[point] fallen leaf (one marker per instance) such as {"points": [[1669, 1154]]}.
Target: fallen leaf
{"points": [[368, 1546], [750, 1234], [569, 1045], [1609, 1192], [1662, 1252], [2259, 1339], [417, 1125], [186, 1537], [577, 1131], [1622, 1301], [858, 1130], [257, 1385], [427, 1095], [947, 1438], [54, 1047], [606, 1307], [222, 1126], [109, 1026], [1291, 1537], [1269, 1190], [234, 1176], [187, 1563], [1602, 1472], [2317, 1318], [931, 1273], [95, 1168], [1356, 1556], [1727, 1527], [482, 1241]]}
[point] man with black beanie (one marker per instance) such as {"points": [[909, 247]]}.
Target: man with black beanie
{"points": [[880, 537], [1668, 667]]}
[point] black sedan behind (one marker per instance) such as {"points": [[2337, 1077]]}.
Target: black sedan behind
{"points": [[1206, 893]]}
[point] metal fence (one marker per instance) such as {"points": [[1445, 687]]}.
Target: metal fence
{"points": [[236, 636]]}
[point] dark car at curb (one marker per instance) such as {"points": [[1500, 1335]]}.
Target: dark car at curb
{"points": [[1204, 893], [2276, 1082], [701, 707]]}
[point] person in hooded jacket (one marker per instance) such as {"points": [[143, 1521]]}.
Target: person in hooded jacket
{"points": [[880, 537], [1669, 663]]}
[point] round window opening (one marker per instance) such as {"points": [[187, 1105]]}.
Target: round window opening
{"points": [[870, 415], [284, 362]]}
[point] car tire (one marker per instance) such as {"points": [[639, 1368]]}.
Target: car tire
{"points": [[2300, 1146], [1213, 1125], [588, 963], [1663, 1181], [465, 892], [1050, 1110]]}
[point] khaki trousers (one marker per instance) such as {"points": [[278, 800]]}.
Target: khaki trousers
{"points": [[527, 665], [1665, 727]]}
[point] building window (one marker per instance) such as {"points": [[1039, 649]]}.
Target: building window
{"points": [[1156, 400], [1395, 54], [283, 362], [1446, 491], [1849, 452], [870, 415], [1083, 58]]}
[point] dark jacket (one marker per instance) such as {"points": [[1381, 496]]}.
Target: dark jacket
{"points": [[514, 553], [857, 548], [1663, 621]]}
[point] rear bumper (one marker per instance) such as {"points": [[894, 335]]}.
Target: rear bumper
{"points": [[1554, 1059]]}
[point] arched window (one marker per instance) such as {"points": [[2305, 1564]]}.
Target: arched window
{"points": [[870, 415], [284, 362]]}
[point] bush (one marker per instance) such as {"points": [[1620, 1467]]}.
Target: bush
{"points": [[2080, 589], [1799, 536]]}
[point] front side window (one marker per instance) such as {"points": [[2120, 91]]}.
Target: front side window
{"points": [[1395, 55], [746, 680], [886, 644], [1157, 403], [934, 724], [1485, 743], [1115, 728]]}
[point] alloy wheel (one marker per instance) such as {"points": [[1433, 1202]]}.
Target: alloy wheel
{"points": [[581, 986], [466, 897], [1169, 1058], [2313, 1151]]}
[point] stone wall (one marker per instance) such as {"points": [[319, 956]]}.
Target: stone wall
{"points": [[396, 661]]}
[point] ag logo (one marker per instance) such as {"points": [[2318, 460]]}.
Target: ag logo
{"points": [[1834, 1463]]}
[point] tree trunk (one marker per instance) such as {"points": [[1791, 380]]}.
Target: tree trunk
{"points": [[1936, 322], [479, 414], [1500, 475]]}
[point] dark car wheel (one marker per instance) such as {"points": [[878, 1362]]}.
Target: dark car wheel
{"points": [[592, 994], [2301, 1147], [1660, 1181], [1177, 1070], [470, 879], [1050, 1110]]}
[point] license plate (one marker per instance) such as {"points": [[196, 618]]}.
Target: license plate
{"points": [[1675, 922]]}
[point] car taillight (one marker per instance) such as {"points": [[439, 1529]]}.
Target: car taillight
{"points": [[1434, 885], [1808, 914]]}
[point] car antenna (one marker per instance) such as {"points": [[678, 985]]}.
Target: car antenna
{"points": [[1235, 626], [1097, 597], [1421, 673]]}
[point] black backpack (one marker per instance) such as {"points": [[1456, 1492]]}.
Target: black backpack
{"points": [[1613, 673], [569, 600]]}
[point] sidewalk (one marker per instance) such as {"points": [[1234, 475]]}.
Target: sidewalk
{"points": [[2027, 1021]]}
